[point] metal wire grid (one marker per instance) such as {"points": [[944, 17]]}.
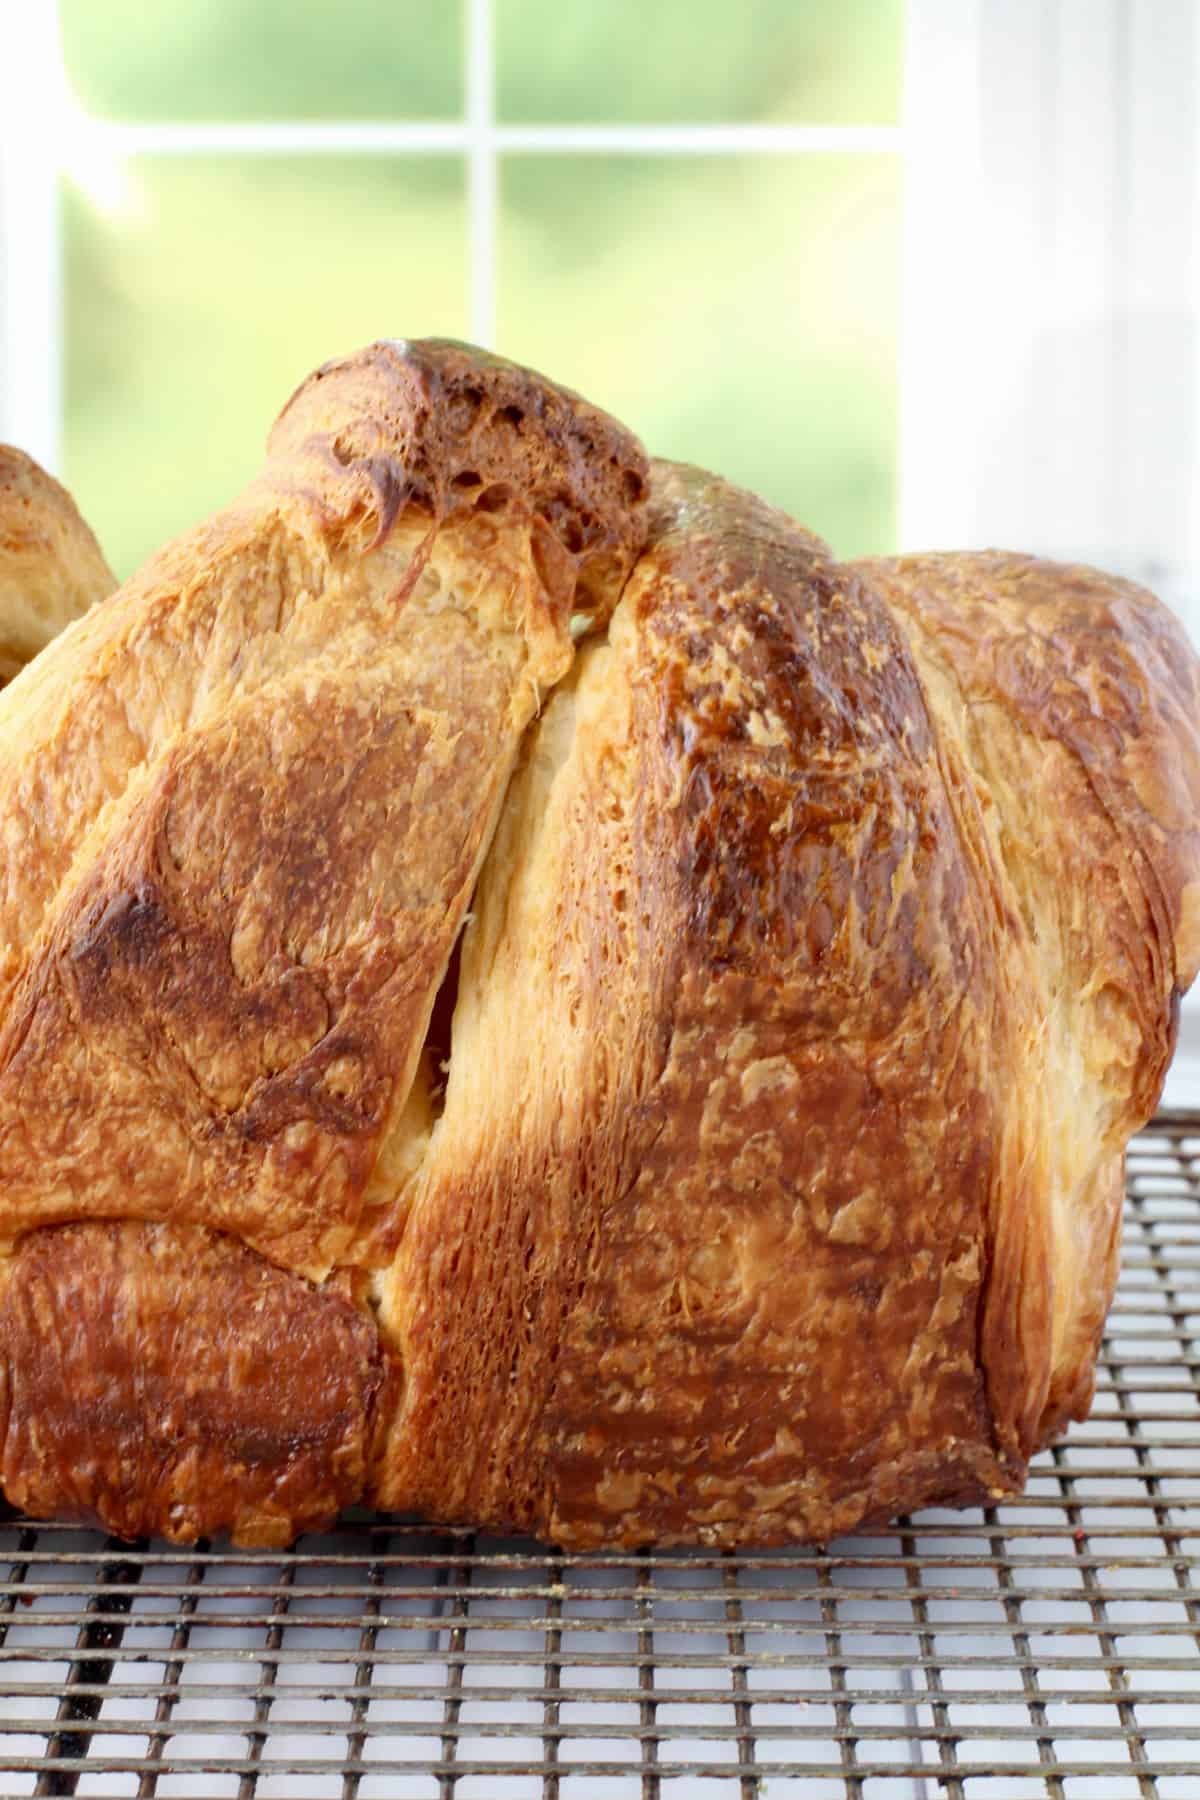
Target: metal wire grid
{"points": [[1048, 1646]]}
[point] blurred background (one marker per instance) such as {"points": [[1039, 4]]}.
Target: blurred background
{"points": [[921, 271], [738, 306]]}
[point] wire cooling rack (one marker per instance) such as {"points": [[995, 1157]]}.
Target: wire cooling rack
{"points": [[1050, 1645]]}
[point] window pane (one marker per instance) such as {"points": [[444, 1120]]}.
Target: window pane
{"points": [[194, 311], [687, 61], [274, 59], [738, 312]]}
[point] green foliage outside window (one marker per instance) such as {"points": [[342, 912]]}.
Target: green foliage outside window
{"points": [[740, 312]]}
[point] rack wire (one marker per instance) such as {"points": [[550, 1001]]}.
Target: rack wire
{"points": [[1046, 1646]]}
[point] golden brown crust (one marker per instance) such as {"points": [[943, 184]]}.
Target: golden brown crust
{"points": [[51, 567], [1072, 701], [174, 1383], [824, 952], [441, 424], [245, 804], [699, 1245], [779, 1180], [1100, 682], [243, 810]]}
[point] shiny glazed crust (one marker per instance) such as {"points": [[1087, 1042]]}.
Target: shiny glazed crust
{"points": [[772, 1178]]}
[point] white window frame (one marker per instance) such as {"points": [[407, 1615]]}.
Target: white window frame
{"points": [[971, 312], [44, 133]]}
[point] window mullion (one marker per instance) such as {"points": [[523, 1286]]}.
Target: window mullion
{"points": [[482, 195]]}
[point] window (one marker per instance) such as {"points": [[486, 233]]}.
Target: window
{"points": [[699, 229], [978, 325]]}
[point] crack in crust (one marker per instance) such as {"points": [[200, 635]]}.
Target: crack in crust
{"points": [[245, 805]]}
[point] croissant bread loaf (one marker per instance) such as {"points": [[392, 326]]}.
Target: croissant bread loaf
{"points": [[51, 567], [533, 995]]}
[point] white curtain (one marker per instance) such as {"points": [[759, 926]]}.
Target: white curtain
{"points": [[1051, 381]]}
